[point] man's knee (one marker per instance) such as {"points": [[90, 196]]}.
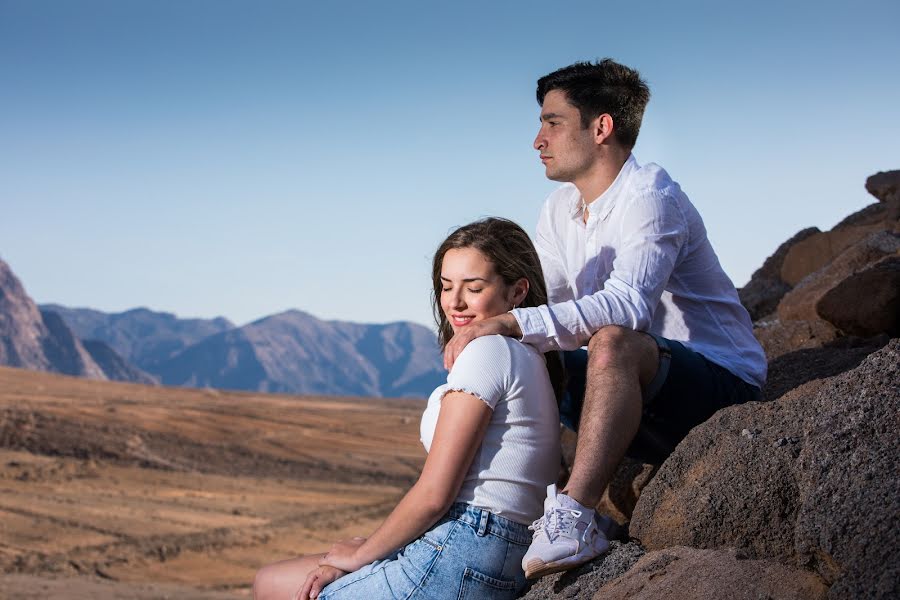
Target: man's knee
{"points": [[617, 347], [612, 342]]}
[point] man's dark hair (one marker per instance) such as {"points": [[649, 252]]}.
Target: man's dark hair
{"points": [[602, 87]]}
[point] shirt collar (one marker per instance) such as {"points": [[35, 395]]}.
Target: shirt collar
{"points": [[606, 201]]}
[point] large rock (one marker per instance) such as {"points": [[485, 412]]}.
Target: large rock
{"points": [[779, 337], [723, 488], [878, 212], [691, 574], [885, 185], [793, 369], [622, 493], [586, 580], [799, 304], [866, 303], [811, 254], [848, 525], [766, 288], [798, 324], [809, 479]]}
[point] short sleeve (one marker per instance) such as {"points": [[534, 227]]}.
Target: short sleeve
{"points": [[483, 369]]}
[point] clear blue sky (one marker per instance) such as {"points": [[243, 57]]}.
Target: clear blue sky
{"points": [[216, 157]]}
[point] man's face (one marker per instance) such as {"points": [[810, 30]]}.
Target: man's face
{"points": [[567, 150]]}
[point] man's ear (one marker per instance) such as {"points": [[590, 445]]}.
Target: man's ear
{"points": [[603, 128]]}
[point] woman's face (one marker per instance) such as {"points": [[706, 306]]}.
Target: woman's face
{"points": [[472, 291]]}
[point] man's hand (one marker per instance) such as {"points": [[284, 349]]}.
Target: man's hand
{"points": [[343, 555], [316, 582], [504, 324]]}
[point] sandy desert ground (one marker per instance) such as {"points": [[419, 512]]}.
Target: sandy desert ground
{"points": [[112, 490]]}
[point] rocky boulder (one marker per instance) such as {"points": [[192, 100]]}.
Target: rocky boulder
{"points": [[818, 250], [868, 215], [779, 337], [849, 295], [867, 302], [793, 369], [586, 580], [808, 479], [800, 303], [692, 574], [885, 185], [766, 287]]}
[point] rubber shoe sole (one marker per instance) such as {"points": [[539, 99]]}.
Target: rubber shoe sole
{"points": [[537, 568]]}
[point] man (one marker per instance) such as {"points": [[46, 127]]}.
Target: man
{"points": [[631, 274]]}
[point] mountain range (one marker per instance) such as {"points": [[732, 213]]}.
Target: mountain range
{"points": [[291, 352]]}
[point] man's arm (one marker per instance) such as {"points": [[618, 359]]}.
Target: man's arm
{"points": [[653, 232]]}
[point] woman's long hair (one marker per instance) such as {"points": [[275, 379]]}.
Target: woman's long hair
{"points": [[513, 255]]}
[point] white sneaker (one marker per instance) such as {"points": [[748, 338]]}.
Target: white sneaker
{"points": [[566, 536]]}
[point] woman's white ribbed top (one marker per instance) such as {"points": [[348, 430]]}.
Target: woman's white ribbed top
{"points": [[520, 453]]}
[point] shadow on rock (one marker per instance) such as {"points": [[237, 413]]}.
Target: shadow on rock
{"points": [[793, 369]]}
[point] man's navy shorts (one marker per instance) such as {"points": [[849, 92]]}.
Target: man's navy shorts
{"points": [[686, 391]]}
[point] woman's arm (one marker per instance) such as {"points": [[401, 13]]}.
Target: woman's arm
{"points": [[460, 429]]}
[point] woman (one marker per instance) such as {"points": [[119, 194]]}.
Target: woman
{"points": [[492, 435]]}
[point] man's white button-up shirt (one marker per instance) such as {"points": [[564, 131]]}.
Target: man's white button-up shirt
{"points": [[642, 261]]}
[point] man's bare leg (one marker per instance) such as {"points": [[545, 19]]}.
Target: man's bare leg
{"points": [[621, 362]]}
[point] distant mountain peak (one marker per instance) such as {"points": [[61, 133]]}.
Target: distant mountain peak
{"points": [[36, 340], [291, 351]]}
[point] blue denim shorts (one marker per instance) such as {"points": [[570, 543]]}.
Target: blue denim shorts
{"points": [[470, 553], [686, 391]]}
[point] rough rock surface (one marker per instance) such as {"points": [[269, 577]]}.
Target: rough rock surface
{"points": [[848, 526], [799, 304], [811, 254], [691, 574], [584, 581], [766, 287], [809, 479], [868, 215], [779, 337], [622, 494], [885, 186], [866, 303], [793, 369]]}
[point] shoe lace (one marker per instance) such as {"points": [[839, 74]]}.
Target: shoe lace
{"points": [[556, 521]]}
